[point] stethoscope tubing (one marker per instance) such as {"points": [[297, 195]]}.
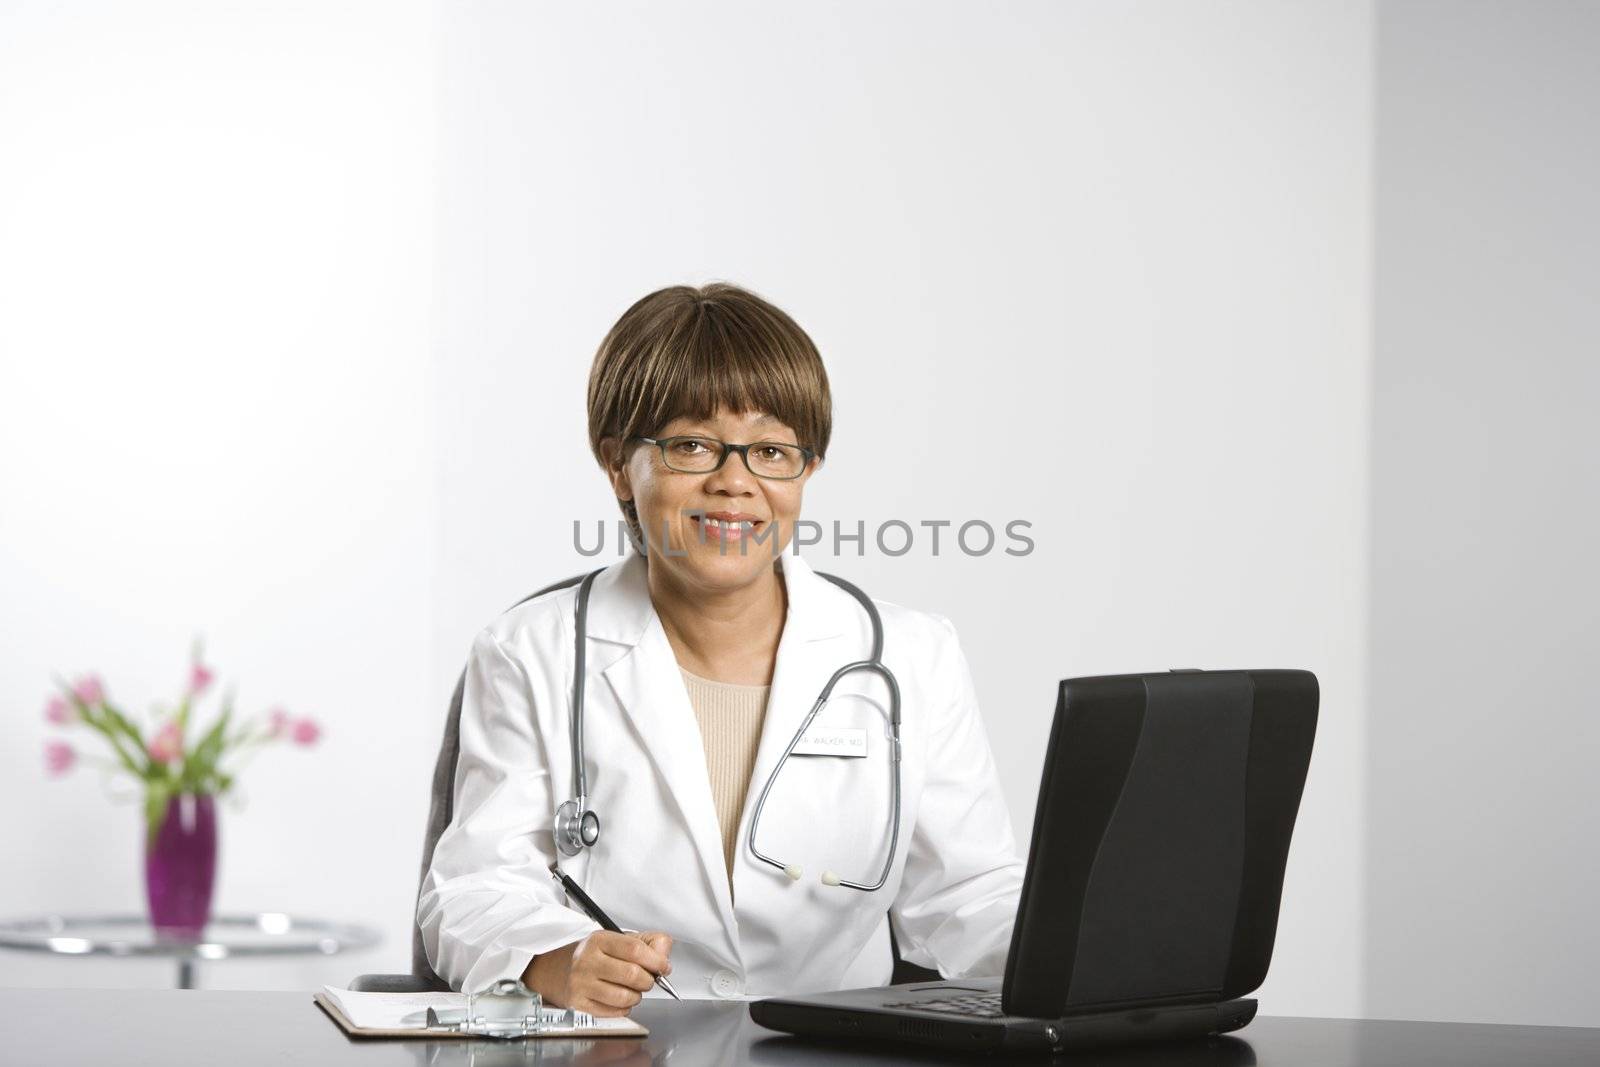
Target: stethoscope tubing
{"points": [[580, 774], [894, 770]]}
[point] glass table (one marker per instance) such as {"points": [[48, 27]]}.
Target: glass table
{"points": [[267, 933]]}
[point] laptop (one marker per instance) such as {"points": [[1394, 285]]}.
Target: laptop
{"points": [[1155, 870]]}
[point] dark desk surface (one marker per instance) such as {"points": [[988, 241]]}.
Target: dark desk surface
{"points": [[46, 1027]]}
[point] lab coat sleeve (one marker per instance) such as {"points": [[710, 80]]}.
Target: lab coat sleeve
{"points": [[962, 878], [488, 904]]}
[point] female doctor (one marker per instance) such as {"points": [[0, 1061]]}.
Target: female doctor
{"points": [[755, 857]]}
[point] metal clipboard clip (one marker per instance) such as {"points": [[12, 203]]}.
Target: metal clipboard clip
{"points": [[506, 1009]]}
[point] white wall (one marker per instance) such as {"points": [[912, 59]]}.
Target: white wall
{"points": [[1484, 807], [1127, 246], [214, 416]]}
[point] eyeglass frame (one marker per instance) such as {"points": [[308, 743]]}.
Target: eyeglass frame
{"points": [[728, 448]]}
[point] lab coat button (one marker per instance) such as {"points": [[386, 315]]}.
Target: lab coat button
{"points": [[725, 984]]}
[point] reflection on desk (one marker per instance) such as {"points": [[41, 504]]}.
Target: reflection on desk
{"points": [[708, 1033], [178, 1028]]}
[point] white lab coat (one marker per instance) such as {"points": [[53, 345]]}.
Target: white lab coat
{"points": [[488, 903]]}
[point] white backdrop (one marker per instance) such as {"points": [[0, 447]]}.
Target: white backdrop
{"points": [[215, 273], [1110, 262]]}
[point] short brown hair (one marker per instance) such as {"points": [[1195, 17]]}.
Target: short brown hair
{"points": [[683, 352]]}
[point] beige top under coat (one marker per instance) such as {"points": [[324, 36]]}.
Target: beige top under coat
{"points": [[730, 718]]}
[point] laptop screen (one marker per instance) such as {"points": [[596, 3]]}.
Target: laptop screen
{"points": [[1163, 823]]}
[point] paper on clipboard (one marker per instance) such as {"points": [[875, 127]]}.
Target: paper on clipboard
{"points": [[401, 1014]]}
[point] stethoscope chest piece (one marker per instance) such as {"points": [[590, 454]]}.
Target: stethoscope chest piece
{"points": [[577, 827]]}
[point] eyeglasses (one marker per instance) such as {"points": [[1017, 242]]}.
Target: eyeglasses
{"points": [[702, 455]]}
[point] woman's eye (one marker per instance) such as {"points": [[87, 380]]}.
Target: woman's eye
{"points": [[770, 452], [689, 446]]}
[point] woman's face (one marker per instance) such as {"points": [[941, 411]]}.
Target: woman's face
{"points": [[759, 513]]}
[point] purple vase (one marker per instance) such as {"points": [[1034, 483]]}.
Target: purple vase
{"points": [[180, 864]]}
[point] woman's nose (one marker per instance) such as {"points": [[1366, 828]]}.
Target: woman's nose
{"points": [[732, 477]]}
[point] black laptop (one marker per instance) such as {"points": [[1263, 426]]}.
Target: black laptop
{"points": [[1151, 899]]}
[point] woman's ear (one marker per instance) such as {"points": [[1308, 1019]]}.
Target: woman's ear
{"points": [[611, 449]]}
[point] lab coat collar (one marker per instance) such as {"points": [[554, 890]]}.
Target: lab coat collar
{"points": [[620, 608]]}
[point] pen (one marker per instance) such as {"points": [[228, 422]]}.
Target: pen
{"points": [[593, 910]]}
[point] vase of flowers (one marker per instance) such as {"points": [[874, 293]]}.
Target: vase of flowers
{"points": [[182, 770]]}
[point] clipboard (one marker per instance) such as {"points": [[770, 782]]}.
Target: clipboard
{"points": [[507, 1011]]}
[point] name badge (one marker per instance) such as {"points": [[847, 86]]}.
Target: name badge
{"points": [[837, 741]]}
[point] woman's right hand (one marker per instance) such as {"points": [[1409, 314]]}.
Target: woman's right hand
{"points": [[605, 974]]}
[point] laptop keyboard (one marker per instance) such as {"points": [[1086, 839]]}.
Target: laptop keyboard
{"points": [[983, 1005]]}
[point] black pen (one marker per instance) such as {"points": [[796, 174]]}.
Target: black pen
{"points": [[593, 911]]}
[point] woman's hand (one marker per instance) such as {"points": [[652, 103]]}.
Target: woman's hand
{"points": [[605, 974]]}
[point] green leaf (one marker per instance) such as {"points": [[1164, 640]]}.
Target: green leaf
{"points": [[113, 738], [126, 760], [183, 721], [204, 759], [120, 722], [156, 794], [111, 725]]}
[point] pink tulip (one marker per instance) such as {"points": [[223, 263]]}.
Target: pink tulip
{"points": [[199, 679], [89, 690], [167, 745], [306, 732], [58, 757], [277, 722], [60, 712]]}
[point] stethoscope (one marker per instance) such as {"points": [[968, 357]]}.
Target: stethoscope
{"points": [[577, 825]]}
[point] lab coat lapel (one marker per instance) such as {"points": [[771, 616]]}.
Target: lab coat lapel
{"points": [[816, 642], [651, 691], [809, 651], [646, 682]]}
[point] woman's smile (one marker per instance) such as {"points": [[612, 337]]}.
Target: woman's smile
{"points": [[725, 526]]}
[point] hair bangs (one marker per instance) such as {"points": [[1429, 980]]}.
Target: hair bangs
{"points": [[724, 365]]}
